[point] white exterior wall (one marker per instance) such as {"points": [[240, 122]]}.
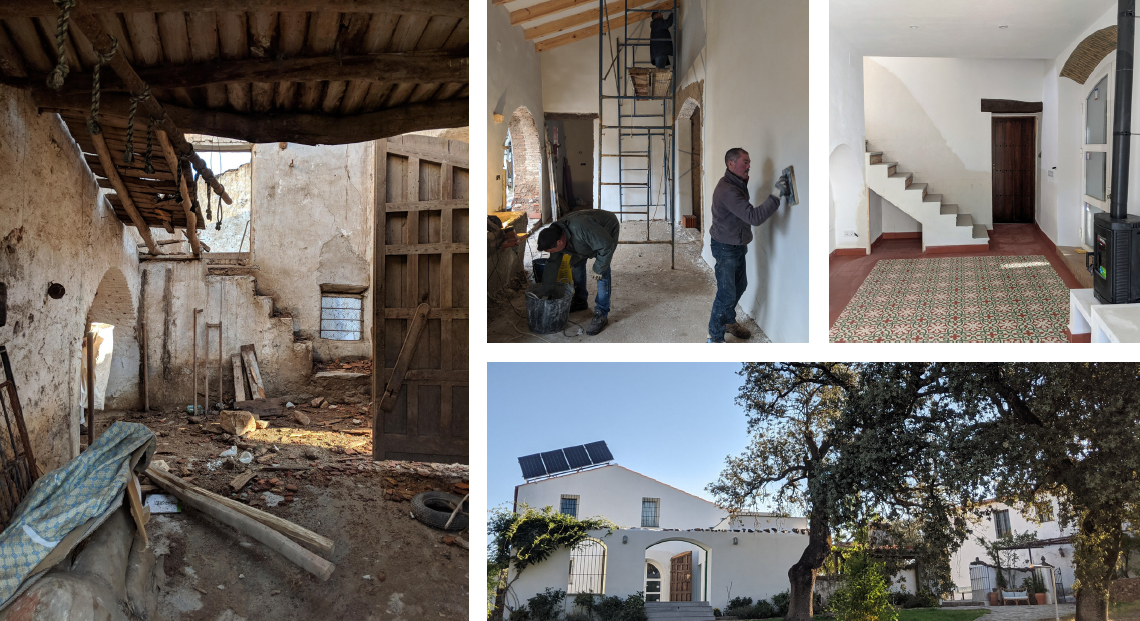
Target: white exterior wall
{"points": [[756, 566], [615, 492], [761, 522]]}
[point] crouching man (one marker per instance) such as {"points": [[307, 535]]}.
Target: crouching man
{"points": [[733, 217], [584, 234]]}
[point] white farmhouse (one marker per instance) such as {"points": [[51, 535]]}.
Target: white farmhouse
{"points": [[669, 544]]}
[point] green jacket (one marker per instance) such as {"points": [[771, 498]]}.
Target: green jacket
{"points": [[592, 234]]}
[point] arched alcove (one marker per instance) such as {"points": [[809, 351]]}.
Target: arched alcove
{"points": [[684, 566], [112, 317], [526, 159]]}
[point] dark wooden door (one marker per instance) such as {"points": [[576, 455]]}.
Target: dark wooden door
{"points": [[695, 173], [1015, 168], [681, 578]]}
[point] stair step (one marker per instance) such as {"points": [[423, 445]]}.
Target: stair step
{"points": [[948, 210], [932, 198], [919, 186], [874, 153], [964, 219], [981, 232]]}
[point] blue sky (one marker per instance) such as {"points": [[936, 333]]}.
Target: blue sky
{"points": [[670, 421]]}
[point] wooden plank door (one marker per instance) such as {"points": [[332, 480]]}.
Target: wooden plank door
{"points": [[420, 255], [681, 578], [1015, 168]]}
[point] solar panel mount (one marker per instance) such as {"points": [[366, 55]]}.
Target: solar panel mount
{"points": [[566, 459]]}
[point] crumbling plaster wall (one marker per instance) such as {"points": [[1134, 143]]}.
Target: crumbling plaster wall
{"points": [[54, 227]]}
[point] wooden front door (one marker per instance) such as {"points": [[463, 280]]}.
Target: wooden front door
{"points": [[681, 578], [420, 255], [1014, 168]]}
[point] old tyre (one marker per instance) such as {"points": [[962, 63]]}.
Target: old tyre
{"points": [[434, 509]]}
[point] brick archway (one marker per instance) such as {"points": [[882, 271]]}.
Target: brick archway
{"points": [[526, 155], [1088, 55], [112, 303]]}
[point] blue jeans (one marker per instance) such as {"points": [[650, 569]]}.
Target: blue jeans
{"points": [[602, 300], [731, 281]]}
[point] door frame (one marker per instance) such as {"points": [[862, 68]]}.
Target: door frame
{"points": [[1105, 69], [1036, 158]]}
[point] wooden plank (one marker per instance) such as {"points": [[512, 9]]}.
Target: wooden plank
{"points": [[138, 511], [436, 313], [431, 155], [452, 8], [613, 9], [413, 249], [543, 9], [592, 31], [187, 209], [121, 190], [256, 386], [441, 204], [241, 480], [412, 239], [379, 190], [407, 350], [239, 381]]}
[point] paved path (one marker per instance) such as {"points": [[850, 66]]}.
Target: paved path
{"points": [[1021, 613]]}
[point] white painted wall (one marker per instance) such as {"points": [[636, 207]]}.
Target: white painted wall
{"points": [[925, 114], [755, 97], [756, 566], [615, 492], [847, 202], [513, 79]]}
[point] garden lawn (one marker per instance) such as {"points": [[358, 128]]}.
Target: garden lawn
{"points": [[939, 614]]}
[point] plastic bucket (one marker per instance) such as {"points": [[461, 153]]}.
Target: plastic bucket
{"points": [[539, 266], [547, 316]]}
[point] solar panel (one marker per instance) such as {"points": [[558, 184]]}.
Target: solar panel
{"points": [[577, 456], [599, 452], [555, 462], [532, 466]]}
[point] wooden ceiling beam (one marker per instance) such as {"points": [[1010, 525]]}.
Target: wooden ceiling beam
{"points": [[592, 31], [191, 219], [121, 191], [543, 9], [446, 8], [398, 67], [300, 128], [614, 8]]}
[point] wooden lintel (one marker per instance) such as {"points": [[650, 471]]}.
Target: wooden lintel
{"points": [[443, 8], [430, 67], [1011, 106], [191, 219], [112, 173], [300, 128]]}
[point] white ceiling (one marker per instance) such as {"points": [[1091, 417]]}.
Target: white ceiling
{"points": [[965, 28]]}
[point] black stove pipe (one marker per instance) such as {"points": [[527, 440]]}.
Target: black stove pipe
{"points": [[1122, 113]]}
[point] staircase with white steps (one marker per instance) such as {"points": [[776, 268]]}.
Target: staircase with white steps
{"points": [[679, 611], [942, 225]]}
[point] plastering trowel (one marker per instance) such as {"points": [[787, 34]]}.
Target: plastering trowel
{"points": [[790, 175]]}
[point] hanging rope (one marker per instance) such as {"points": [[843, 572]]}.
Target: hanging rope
{"points": [[209, 198], [129, 152], [148, 167], [55, 78], [93, 123]]}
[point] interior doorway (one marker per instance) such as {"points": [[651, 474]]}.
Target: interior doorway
{"points": [[695, 168], [1014, 168]]}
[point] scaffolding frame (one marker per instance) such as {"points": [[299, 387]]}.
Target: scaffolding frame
{"points": [[631, 129]]}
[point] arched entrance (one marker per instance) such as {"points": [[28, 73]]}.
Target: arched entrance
{"points": [[112, 319], [683, 569], [524, 172], [690, 164], [587, 568]]}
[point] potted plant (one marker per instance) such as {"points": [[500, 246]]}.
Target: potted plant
{"points": [[1034, 585]]}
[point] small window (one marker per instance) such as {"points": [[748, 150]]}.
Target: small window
{"points": [[650, 511], [1044, 511], [1001, 523], [342, 317], [569, 506]]}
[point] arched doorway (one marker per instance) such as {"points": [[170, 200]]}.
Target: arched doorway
{"points": [[112, 320], [690, 164], [524, 164], [587, 568], [683, 569]]}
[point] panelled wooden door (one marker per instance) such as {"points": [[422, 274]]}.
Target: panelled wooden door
{"points": [[1014, 168], [681, 578], [420, 243]]}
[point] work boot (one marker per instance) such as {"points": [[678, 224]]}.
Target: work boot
{"points": [[597, 324], [578, 305], [738, 331]]}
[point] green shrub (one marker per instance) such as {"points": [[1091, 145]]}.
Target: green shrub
{"points": [[614, 608], [781, 601], [716, 612], [865, 594], [546, 606], [765, 610]]}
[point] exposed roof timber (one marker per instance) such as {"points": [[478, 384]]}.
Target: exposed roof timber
{"points": [[592, 31], [396, 67], [445, 8], [123, 193], [498, 2], [542, 9], [191, 219], [591, 15], [300, 128]]}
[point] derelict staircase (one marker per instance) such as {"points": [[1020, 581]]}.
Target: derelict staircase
{"points": [[942, 224], [679, 611], [640, 114]]}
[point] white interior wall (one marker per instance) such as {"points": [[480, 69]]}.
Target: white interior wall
{"points": [[514, 79], [755, 98], [848, 200], [925, 114]]}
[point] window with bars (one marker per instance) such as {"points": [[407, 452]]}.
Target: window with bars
{"points": [[588, 568], [569, 505], [1001, 523], [342, 317], [650, 512]]}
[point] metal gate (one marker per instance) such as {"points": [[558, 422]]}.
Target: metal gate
{"points": [[588, 568], [981, 581]]}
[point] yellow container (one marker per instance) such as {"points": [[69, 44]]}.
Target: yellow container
{"points": [[564, 274]]}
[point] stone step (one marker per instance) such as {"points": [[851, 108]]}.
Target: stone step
{"points": [[981, 232], [948, 210], [964, 219], [932, 198]]}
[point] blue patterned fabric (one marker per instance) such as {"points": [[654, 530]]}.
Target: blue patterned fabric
{"points": [[81, 494]]}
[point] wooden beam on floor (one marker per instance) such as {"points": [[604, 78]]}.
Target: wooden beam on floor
{"points": [[112, 173], [301, 128], [592, 31], [191, 219], [45, 8], [102, 42], [613, 9], [422, 67]]}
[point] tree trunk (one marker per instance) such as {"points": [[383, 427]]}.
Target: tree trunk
{"points": [[1095, 556], [802, 574]]}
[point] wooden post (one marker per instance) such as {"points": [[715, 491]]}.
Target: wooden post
{"points": [[195, 355], [379, 196], [108, 164], [145, 380], [90, 387], [191, 219]]}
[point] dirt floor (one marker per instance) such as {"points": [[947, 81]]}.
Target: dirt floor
{"points": [[319, 475], [649, 302]]}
